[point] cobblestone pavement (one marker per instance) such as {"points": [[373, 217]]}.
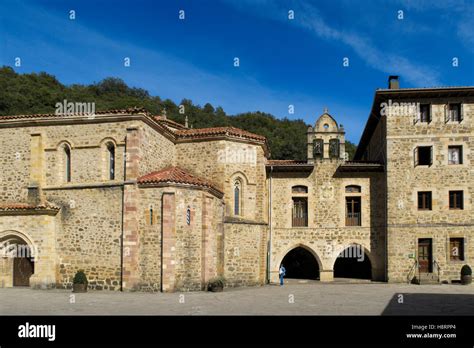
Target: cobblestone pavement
{"points": [[294, 298]]}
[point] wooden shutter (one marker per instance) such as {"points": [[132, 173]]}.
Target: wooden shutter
{"points": [[415, 156], [461, 112], [429, 113], [446, 113], [431, 155]]}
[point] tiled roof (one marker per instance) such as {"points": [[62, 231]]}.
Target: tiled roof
{"points": [[128, 111], [26, 206], [170, 128], [176, 175], [216, 131], [169, 122]]}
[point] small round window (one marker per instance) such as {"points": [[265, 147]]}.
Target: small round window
{"points": [[326, 126]]}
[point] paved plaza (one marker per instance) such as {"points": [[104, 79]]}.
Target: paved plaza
{"points": [[295, 298]]}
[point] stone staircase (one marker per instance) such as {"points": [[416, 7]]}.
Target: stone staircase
{"points": [[428, 278]]}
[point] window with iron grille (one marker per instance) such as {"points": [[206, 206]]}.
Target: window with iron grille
{"points": [[188, 216], [334, 148], [318, 148]]}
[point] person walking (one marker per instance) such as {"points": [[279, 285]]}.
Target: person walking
{"points": [[282, 274]]}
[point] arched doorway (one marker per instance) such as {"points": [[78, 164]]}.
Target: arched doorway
{"points": [[17, 260], [300, 263], [353, 262]]}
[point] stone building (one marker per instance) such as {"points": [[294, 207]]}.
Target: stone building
{"points": [[140, 202], [424, 138]]}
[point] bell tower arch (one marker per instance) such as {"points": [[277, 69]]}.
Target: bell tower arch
{"points": [[326, 140]]}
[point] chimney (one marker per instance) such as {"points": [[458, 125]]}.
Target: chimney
{"points": [[393, 82], [35, 195]]}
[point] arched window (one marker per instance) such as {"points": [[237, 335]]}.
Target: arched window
{"points": [[318, 148], [334, 148], [111, 160], [67, 163], [237, 197]]}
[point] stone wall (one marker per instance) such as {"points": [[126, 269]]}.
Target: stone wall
{"points": [[222, 162], [245, 250], [406, 224], [327, 235], [158, 152], [89, 236], [39, 233], [189, 255]]}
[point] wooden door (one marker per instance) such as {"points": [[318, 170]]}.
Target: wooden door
{"points": [[22, 271], [425, 254], [300, 212]]}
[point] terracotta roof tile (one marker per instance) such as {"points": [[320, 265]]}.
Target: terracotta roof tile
{"points": [[26, 206], [176, 175], [128, 111], [169, 122], [232, 131], [172, 128]]}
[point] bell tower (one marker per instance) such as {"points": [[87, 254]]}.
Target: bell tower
{"points": [[326, 140]]}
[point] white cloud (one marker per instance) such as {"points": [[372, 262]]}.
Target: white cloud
{"points": [[459, 13], [310, 18]]}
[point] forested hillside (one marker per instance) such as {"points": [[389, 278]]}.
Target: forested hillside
{"points": [[38, 93]]}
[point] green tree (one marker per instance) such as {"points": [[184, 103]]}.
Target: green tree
{"points": [[38, 93]]}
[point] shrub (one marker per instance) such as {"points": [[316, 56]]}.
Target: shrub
{"points": [[80, 278], [216, 282], [466, 270]]}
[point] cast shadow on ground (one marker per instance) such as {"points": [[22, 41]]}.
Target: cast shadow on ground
{"points": [[430, 304]]}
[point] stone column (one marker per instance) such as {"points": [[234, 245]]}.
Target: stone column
{"points": [[45, 256], [36, 160], [310, 137], [131, 236], [208, 252], [168, 242], [326, 275]]}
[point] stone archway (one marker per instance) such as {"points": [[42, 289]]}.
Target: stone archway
{"points": [[353, 262], [301, 263], [17, 259]]}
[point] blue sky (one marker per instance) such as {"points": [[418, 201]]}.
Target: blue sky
{"points": [[282, 62]]}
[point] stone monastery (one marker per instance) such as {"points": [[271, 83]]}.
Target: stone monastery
{"points": [[140, 202]]}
